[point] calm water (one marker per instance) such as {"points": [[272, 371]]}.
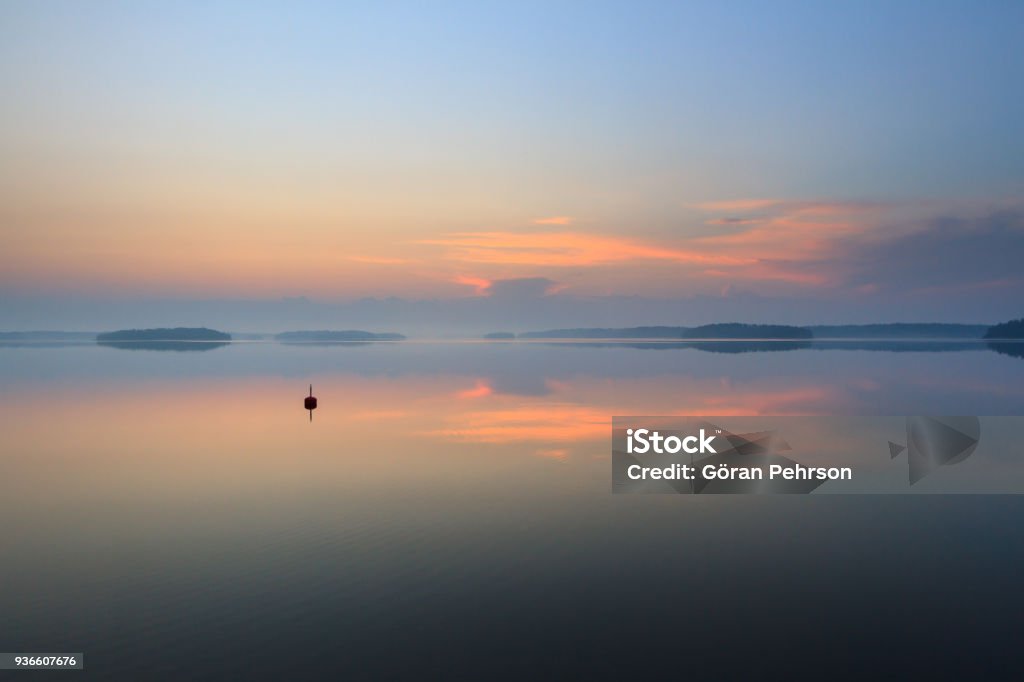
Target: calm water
{"points": [[176, 515]]}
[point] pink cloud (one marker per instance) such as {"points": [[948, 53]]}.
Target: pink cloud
{"points": [[568, 249], [479, 283]]}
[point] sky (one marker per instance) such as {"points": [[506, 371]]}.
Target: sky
{"points": [[599, 162]]}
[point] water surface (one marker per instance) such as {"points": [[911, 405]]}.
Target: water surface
{"points": [[177, 515]]}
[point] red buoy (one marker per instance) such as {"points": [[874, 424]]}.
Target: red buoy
{"points": [[310, 402]]}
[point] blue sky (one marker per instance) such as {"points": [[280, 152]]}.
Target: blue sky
{"points": [[210, 149]]}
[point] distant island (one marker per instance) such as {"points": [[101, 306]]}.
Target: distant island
{"points": [[899, 330], [735, 330], [727, 330], [896, 332], [325, 336], [164, 334], [1014, 329], [165, 339]]}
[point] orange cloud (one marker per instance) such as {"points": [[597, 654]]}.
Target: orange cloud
{"points": [[787, 231], [788, 242], [479, 283], [554, 220], [567, 249]]}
